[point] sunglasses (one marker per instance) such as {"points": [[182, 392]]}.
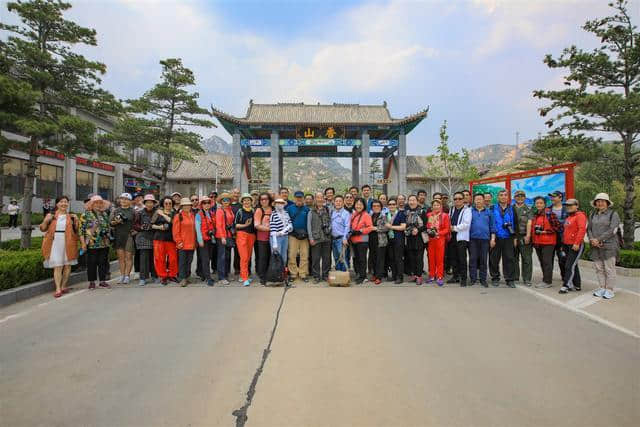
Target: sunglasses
{"points": [[206, 203], [457, 198], [194, 200]]}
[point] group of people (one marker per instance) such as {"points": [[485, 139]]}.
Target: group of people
{"points": [[383, 238]]}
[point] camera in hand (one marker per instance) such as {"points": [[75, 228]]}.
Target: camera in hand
{"points": [[211, 235], [432, 232], [355, 232], [120, 218], [509, 227], [539, 229]]}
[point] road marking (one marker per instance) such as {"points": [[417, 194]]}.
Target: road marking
{"points": [[584, 300], [15, 316], [42, 304], [581, 312]]}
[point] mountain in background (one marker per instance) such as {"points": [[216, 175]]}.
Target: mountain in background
{"points": [[216, 145], [492, 155]]}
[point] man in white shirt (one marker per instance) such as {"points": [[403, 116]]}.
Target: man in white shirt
{"points": [[13, 209], [460, 224]]}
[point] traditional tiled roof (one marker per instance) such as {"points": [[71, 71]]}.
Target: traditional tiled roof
{"points": [[293, 113], [202, 168]]}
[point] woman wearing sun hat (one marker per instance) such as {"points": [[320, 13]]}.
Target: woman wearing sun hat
{"points": [[144, 236], [184, 234], [94, 234], [205, 233], [602, 229], [224, 236]]}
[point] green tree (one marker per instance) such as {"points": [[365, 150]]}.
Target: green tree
{"points": [[451, 170], [39, 53], [158, 121], [602, 97], [261, 170]]}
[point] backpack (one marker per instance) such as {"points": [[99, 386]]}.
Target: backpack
{"points": [[275, 271]]}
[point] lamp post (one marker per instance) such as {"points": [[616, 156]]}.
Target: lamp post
{"points": [[214, 163]]}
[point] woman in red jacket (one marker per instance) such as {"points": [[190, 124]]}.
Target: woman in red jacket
{"points": [[545, 226], [184, 234], [225, 232], [439, 231], [361, 226], [575, 227]]}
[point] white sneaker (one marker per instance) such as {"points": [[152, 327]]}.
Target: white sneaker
{"points": [[608, 294], [598, 292]]}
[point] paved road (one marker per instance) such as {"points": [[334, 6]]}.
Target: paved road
{"points": [[371, 356]]}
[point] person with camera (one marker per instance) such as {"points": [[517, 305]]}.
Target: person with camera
{"points": [[503, 242], [414, 252], [261, 219], [320, 237], [165, 255], [361, 226], [184, 234], [560, 211], [438, 230], [144, 236], [575, 228], [545, 226], [299, 238], [395, 248], [245, 236], [604, 237], [121, 220], [524, 250], [378, 241], [205, 225], [94, 233], [225, 237]]}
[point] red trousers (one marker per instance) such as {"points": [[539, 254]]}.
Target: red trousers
{"points": [[435, 251], [161, 252], [244, 242]]}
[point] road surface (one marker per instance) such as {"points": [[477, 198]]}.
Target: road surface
{"points": [[368, 356]]}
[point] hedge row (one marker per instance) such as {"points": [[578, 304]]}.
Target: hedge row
{"points": [[14, 245], [36, 219]]}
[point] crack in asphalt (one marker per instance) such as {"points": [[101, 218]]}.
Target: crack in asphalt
{"points": [[241, 413]]}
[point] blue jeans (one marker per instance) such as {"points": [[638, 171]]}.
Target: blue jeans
{"points": [[283, 245], [336, 246], [478, 252], [223, 255]]}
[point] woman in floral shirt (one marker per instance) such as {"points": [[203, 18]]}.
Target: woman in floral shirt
{"points": [[95, 241]]}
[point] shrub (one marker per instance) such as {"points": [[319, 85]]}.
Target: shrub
{"points": [[14, 245], [36, 219], [629, 258], [21, 267]]}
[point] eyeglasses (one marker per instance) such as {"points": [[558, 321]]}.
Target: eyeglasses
{"points": [[457, 198], [519, 195], [194, 200], [264, 199]]}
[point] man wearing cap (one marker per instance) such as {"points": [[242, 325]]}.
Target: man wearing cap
{"points": [[561, 213], [137, 201], [175, 196], [575, 228], [299, 238], [524, 250]]}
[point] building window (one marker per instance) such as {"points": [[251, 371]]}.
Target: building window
{"points": [[105, 187], [84, 184], [49, 181], [14, 171]]}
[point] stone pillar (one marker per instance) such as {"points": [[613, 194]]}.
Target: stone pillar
{"points": [[280, 168], [355, 167], [366, 164], [244, 181], [118, 180], [402, 163], [385, 171], [69, 179], [275, 161], [236, 159]]}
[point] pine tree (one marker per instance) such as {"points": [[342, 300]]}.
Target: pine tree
{"points": [[39, 55], [158, 121], [602, 97]]}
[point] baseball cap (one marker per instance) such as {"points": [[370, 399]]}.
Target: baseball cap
{"points": [[298, 194], [125, 196], [519, 193], [572, 202], [555, 194], [175, 193]]}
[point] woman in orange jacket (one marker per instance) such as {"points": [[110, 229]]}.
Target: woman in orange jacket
{"points": [[438, 228], [184, 234], [225, 233], [361, 226], [575, 228]]}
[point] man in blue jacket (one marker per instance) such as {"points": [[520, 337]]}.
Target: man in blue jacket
{"points": [[503, 241], [298, 239], [480, 233]]}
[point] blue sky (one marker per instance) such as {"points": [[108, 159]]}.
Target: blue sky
{"points": [[475, 63]]}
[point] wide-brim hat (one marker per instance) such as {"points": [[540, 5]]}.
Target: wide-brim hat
{"points": [[175, 193], [224, 196], [601, 196], [205, 199], [246, 196], [97, 199], [149, 197], [279, 200], [185, 201]]}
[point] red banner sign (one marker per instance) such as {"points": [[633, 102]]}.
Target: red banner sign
{"points": [[50, 153], [95, 164]]}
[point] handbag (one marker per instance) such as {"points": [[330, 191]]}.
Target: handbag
{"points": [[339, 278]]}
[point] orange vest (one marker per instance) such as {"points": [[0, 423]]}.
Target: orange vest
{"points": [[71, 238]]}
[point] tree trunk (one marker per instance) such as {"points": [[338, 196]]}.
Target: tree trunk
{"points": [[1, 189], [163, 178], [27, 195], [630, 194]]}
